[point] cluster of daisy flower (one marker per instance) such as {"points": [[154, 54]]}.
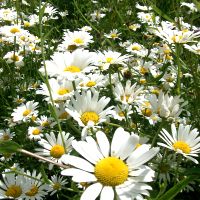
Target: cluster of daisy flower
{"points": [[112, 118]]}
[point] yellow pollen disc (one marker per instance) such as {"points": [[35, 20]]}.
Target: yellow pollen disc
{"points": [[72, 69], [63, 91], [169, 79], [33, 191], [57, 151], [143, 81], [26, 112], [33, 118], [147, 112], [90, 84], [64, 115], [144, 70], [78, 41], [109, 59], [155, 91], [125, 97], [5, 137], [183, 146], [14, 30], [121, 114], [57, 186], [27, 24], [113, 35], [13, 191], [45, 123], [89, 116], [111, 171], [167, 51], [136, 48], [36, 131], [15, 58]]}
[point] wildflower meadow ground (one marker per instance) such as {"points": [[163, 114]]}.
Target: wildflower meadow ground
{"points": [[99, 99]]}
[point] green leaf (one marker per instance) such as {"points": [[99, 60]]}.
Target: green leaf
{"points": [[192, 171], [197, 4], [171, 193], [9, 147]]}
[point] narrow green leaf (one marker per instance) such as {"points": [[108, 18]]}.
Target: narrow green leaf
{"points": [[171, 193], [44, 175], [9, 147], [197, 4]]}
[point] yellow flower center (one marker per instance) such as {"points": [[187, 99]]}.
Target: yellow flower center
{"points": [[36, 131], [136, 48], [114, 35], [14, 30], [5, 137], [45, 123], [27, 24], [121, 114], [89, 116], [78, 41], [56, 186], [109, 59], [147, 112], [183, 146], [33, 191], [26, 112], [90, 84], [57, 151], [143, 81], [63, 91], [13, 191], [125, 97], [111, 171], [15, 58], [72, 69], [64, 115], [144, 70]]}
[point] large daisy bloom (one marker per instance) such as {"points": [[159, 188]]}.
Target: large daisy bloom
{"points": [[70, 65], [184, 141], [109, 169]]}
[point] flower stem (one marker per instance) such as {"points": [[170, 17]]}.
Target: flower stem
{"points": [[178, 86], [42, 158]]}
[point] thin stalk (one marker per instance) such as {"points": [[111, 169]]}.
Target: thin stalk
{"points": [[42, 158], [156, 134], [47, 82], [178, 86]]}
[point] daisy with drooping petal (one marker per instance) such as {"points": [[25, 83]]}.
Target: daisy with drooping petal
{"points": [[113, 34], [184, 141], [110, 170], [53, 147], [35, 133], [87, 109]]}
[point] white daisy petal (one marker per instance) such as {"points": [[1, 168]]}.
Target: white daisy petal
{"points": [[103, 143], [92, 192], [107, 193]]}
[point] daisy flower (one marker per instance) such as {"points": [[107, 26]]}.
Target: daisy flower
{"points": [[75, 39], [127, 94], [109, 57], [24, 112], [113, 34], [35, 133], [70, 65], [61, 90], [137, 49], [56, 184], [53, 147], [36, 189], [87, 109], [12, 186], [6, 135], [14, 57], [111, 169], [184, 141]]}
